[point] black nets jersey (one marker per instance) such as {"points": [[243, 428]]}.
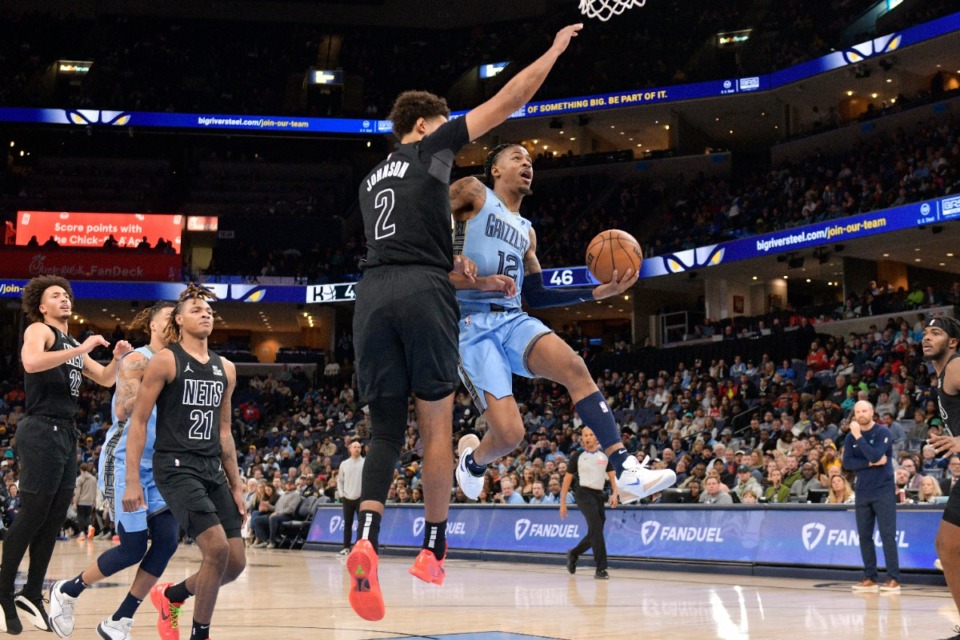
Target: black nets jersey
{"points": [[54, 393], [405, 202], [188, 408], [949, 405]]}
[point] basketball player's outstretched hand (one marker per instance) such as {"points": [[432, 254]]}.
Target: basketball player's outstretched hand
{"points": [[945, 444], [465, 267], [564, 36], [122, 347], [616, 285], [93, 342], [133, 498]]}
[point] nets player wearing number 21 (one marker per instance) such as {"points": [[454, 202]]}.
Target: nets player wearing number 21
{"points": [[405, 321], [54, 364], [195, 459]]}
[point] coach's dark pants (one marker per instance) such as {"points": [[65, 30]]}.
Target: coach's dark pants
{"points": [[881, 510]]}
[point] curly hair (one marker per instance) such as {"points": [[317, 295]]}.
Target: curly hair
{"points": [[413, 105], [192, 292], [145, 317], [33, 294]]}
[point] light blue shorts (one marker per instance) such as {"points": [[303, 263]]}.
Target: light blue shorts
{"points": [[135, 520], [493, 347]]}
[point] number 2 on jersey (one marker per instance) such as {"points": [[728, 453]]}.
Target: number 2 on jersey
{"points": [[384, 202], [76, 378], [202, 425]]}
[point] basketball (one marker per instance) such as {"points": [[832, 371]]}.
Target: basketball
{"points": [[613, 249]]}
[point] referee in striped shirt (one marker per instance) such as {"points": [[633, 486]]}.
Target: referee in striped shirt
{"points": [[591, 469]]}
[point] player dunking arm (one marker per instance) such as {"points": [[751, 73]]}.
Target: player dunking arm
{"points": [[940, 342], [405, 322], [155, 521], [194, 461], [54, 364], [497, 339]]}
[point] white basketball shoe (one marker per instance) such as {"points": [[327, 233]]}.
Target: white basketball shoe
{"points": [[636, 481], [470, 484]]}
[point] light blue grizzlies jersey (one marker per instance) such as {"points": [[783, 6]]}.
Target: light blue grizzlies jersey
{"points": [[114, 453], [496, 239]]}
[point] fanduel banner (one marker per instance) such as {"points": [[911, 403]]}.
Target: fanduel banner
{"points": [[500, 529], [823, 536], [89, 265], [91, 230]]}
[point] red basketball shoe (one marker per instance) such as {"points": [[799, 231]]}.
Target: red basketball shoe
{"points": [[365, 597]]}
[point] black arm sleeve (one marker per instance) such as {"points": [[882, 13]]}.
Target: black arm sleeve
{"points": [[439, 149]]}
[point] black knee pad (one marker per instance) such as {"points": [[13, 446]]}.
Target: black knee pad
{"points": [[388, 421], [164, 538], [128, 553]]}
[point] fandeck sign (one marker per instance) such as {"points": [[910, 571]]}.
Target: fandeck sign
{"points": [[87, 265]]}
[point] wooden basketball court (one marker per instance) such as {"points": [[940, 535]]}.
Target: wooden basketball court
{"points": [[301, 594]]}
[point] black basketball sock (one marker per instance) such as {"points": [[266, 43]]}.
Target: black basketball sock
{"points": [[200, 631], [178, 593], [75, 587], [128, 608], [369, 528], [435, 538]]}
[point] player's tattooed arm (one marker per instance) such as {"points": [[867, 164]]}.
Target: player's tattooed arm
{"points": [[467, 196], [531, 263], [128, 384]]}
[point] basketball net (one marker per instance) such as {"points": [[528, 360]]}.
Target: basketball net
{"points": [[606, 9]]}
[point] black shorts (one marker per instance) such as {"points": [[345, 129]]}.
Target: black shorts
{"points": [[47, 448], [196, 491], [405, 333], [951, 512]]}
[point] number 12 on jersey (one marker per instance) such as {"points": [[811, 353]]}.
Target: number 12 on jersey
{"points": [[509, 265]]}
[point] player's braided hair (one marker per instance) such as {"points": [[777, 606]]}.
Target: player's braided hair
{"points": [[33, 294], [194, 291], [145, 317], [491, 160]]}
